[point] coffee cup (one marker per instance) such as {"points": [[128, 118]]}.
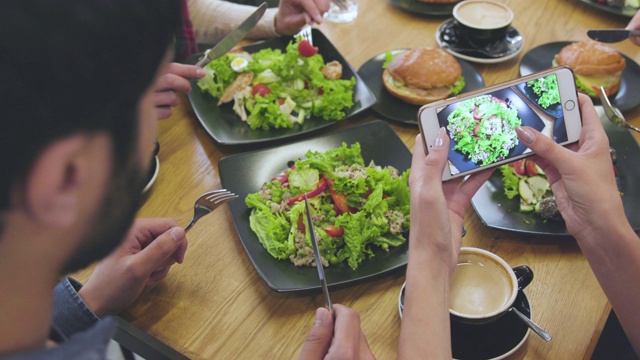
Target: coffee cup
{"points": [[483, 21], [484, 287]]}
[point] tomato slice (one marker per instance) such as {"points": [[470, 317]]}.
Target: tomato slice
{"points": [[339, 200], [333, 230], [260, 89], [306, 49], [322, 185], [301, 224]]}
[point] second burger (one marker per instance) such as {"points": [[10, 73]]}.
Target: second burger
{"points": [[421, 76]]}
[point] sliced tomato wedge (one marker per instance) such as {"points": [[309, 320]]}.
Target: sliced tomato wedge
{"points": [[333, 230], [339, 200], [260, 89], [322, 185], [301, 224], [282, 178], [306, 49]]}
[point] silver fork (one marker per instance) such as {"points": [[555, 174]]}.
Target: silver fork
{"points": [[208, 202], [613, 114], [305, 33]]}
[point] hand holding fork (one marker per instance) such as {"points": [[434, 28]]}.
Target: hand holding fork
{"points": [[208, 202]]}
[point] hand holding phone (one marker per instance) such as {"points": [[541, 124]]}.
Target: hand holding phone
{"points": [[482, 124]]}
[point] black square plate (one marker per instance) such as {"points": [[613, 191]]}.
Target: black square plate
{"points": [[225, 126], [245, 173], [498, 212]]}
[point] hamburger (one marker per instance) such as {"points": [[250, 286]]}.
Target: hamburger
{"points": [[421, 76], [594, 64]]}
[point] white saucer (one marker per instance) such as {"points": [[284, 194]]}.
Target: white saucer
{"points": [[155, 168], [463, 337], [515, 39]]}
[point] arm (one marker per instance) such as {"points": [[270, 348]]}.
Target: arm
{"points": [[634, 24], [434, 244], [344, 341], [588, 199], [213, 19]]}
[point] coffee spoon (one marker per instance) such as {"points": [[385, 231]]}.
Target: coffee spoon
{"points": [[524, 276]]}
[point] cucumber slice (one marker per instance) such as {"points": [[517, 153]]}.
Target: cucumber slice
{"points": [[532, 189], [524, 207], [538, 185]]}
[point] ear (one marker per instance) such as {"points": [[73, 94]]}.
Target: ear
{"points": [[54, 189]]}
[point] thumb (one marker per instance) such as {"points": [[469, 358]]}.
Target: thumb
{"points": [[319, 339], [161, 249]]}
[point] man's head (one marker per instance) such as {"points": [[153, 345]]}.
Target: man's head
{"points": [[77, 115]]}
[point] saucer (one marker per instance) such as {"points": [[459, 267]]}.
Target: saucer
{"points": [[495, 340], [450, 38], [153, 173]]}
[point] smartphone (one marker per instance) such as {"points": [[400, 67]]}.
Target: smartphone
{"points": [[481, 124]]}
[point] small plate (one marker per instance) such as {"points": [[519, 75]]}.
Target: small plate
{"points": [[395, 109], [245, 173], [498, 212], [625, 11], [153, 173], [425, 8], [495, 340], [225, 127], [450, 38], [540, 58]]}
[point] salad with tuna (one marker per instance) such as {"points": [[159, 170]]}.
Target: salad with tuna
{"points": [[275, 89], [355, 208], [484, 128]]}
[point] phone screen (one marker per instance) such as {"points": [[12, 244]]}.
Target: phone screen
{"points": [[482, 128]]}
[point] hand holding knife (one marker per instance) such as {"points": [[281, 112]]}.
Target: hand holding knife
{"points": [[316, 253]]}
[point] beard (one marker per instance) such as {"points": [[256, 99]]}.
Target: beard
{"points": [[114, 219]]}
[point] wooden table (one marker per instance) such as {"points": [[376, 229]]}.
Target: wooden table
{"points": [[215, 305]]}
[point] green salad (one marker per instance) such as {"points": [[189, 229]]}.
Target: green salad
{"points": [[275, 89], [355, 207], [484, 128], [547, 90]]}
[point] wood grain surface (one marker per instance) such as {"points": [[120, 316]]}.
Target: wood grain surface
{"points": [[216, 306]]}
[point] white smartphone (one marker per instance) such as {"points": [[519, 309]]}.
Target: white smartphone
{"points": [[481, 124]]}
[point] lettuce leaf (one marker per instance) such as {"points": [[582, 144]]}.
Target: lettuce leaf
{"points": [[510, 180]]}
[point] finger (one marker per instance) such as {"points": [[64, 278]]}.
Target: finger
{"points": [[592, 130], [165, 98], [543, 146], [323, 5], [186, 71], [158, 275], [173, 82], [147, 229], [320, 336], [434, 161], [160, 250], [163, 112], [311, 9], [346, 340]]}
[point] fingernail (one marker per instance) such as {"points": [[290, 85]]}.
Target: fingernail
{"points": [[177, 233], [321, 316], [525, 134], [439, 141], [200, 73]]}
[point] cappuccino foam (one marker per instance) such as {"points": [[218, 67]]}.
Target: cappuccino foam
{"points": [[483, 15], [479, 286]]}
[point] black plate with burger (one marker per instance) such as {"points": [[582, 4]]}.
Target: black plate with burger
{"points": [[624, 83], [392, 107]]}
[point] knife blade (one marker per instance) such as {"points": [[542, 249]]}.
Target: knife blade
{"points": [[316, 253], [233, 37], [611, 35]]}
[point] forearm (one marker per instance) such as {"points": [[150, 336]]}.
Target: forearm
{"points": [[425, 322], [614, 257], [214, 19]]}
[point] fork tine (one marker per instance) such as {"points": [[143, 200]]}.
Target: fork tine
{"points": [[226, 197]]}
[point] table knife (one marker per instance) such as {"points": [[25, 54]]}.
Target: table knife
{"points": [[612, 35], [233, 37], [316, 253]]}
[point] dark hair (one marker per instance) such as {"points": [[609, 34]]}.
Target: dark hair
{"points": [[69, 66]]}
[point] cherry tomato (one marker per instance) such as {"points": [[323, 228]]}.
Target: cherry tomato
{"points": [[306, 49], [260, 89]]}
